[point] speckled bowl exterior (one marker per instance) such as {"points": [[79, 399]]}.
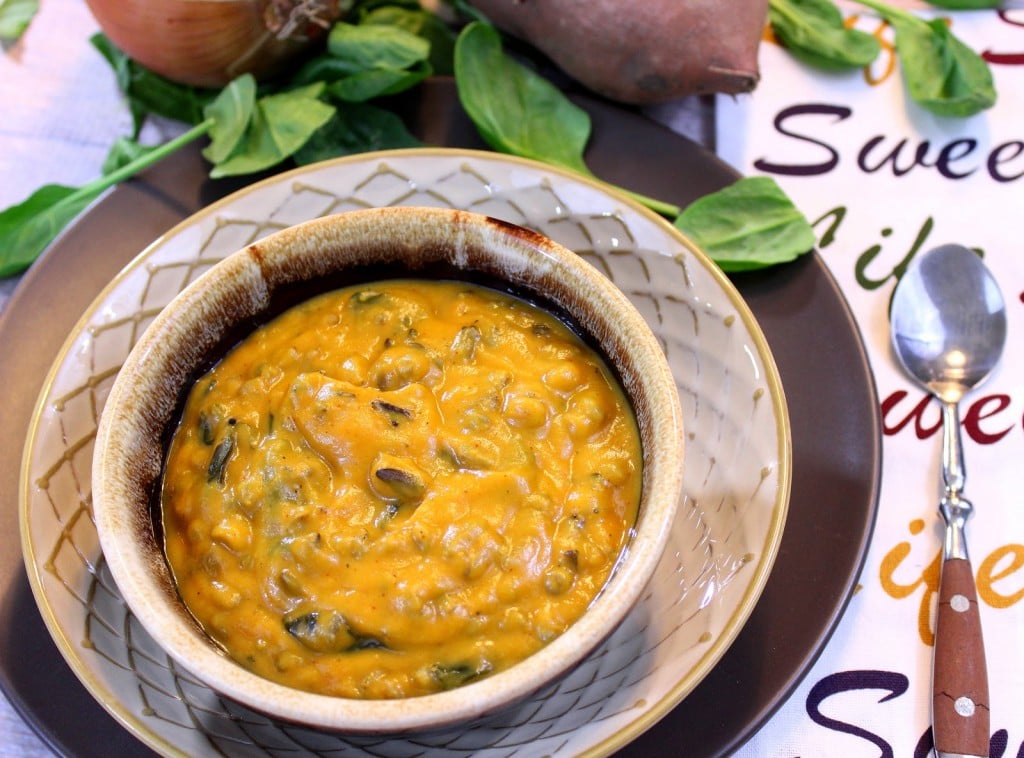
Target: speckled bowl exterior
{"points": [[234, 293]]}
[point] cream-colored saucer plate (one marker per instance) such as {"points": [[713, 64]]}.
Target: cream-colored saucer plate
{"points": [[722, 545]]}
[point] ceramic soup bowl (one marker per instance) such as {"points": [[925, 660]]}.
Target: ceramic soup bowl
{"points": [[289, 266]]}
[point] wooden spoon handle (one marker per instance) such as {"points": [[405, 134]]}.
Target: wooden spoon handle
{"points": [[960, 703]]}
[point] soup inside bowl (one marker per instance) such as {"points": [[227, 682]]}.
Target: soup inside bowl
{"points": [[549, 582]]}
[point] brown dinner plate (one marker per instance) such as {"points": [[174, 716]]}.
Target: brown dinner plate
{"points": [[808, 325]]}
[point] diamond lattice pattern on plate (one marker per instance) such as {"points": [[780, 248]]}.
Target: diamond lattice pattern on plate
{"points": [[174, 708]]}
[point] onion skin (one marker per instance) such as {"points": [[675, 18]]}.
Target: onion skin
{"points": [[645, 52], [207, 43]]}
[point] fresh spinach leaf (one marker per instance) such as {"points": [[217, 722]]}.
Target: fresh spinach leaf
{"points": [[280, 124], [358, 88], [27, 228], [321, 68], [942, 74], [515, 109], [15, 16], [814, 31], [518, 111], [123, 67], [384, 54], [232, 112], [366, 47], [356, 128], [364, 7], [946, 77], [151, 93], [748, 225], [966, 4], [423, 24]]}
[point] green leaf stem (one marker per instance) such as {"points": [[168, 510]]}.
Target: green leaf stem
{"points": [[27, 228]]}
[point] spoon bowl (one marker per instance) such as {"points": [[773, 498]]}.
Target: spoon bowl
{"points": [[948, 321], [948, 331]]}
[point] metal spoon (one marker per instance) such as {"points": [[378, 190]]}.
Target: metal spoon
{"points": [[948, 330]]}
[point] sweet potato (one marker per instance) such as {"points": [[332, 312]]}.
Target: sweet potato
{"points": [[645, 52]]}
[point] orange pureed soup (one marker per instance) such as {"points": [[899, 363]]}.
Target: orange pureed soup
{"points": [[395, 488]]}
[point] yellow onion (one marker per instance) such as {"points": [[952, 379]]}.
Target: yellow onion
{"points": [[207, 43]]}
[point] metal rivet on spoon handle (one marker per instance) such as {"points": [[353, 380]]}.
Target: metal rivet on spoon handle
{"points": [[948, 331]]}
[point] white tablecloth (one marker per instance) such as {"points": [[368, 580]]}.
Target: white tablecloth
{"points": [[882, 180]]}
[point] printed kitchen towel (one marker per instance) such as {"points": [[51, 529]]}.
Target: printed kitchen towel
{"points": [[881, 179]]}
